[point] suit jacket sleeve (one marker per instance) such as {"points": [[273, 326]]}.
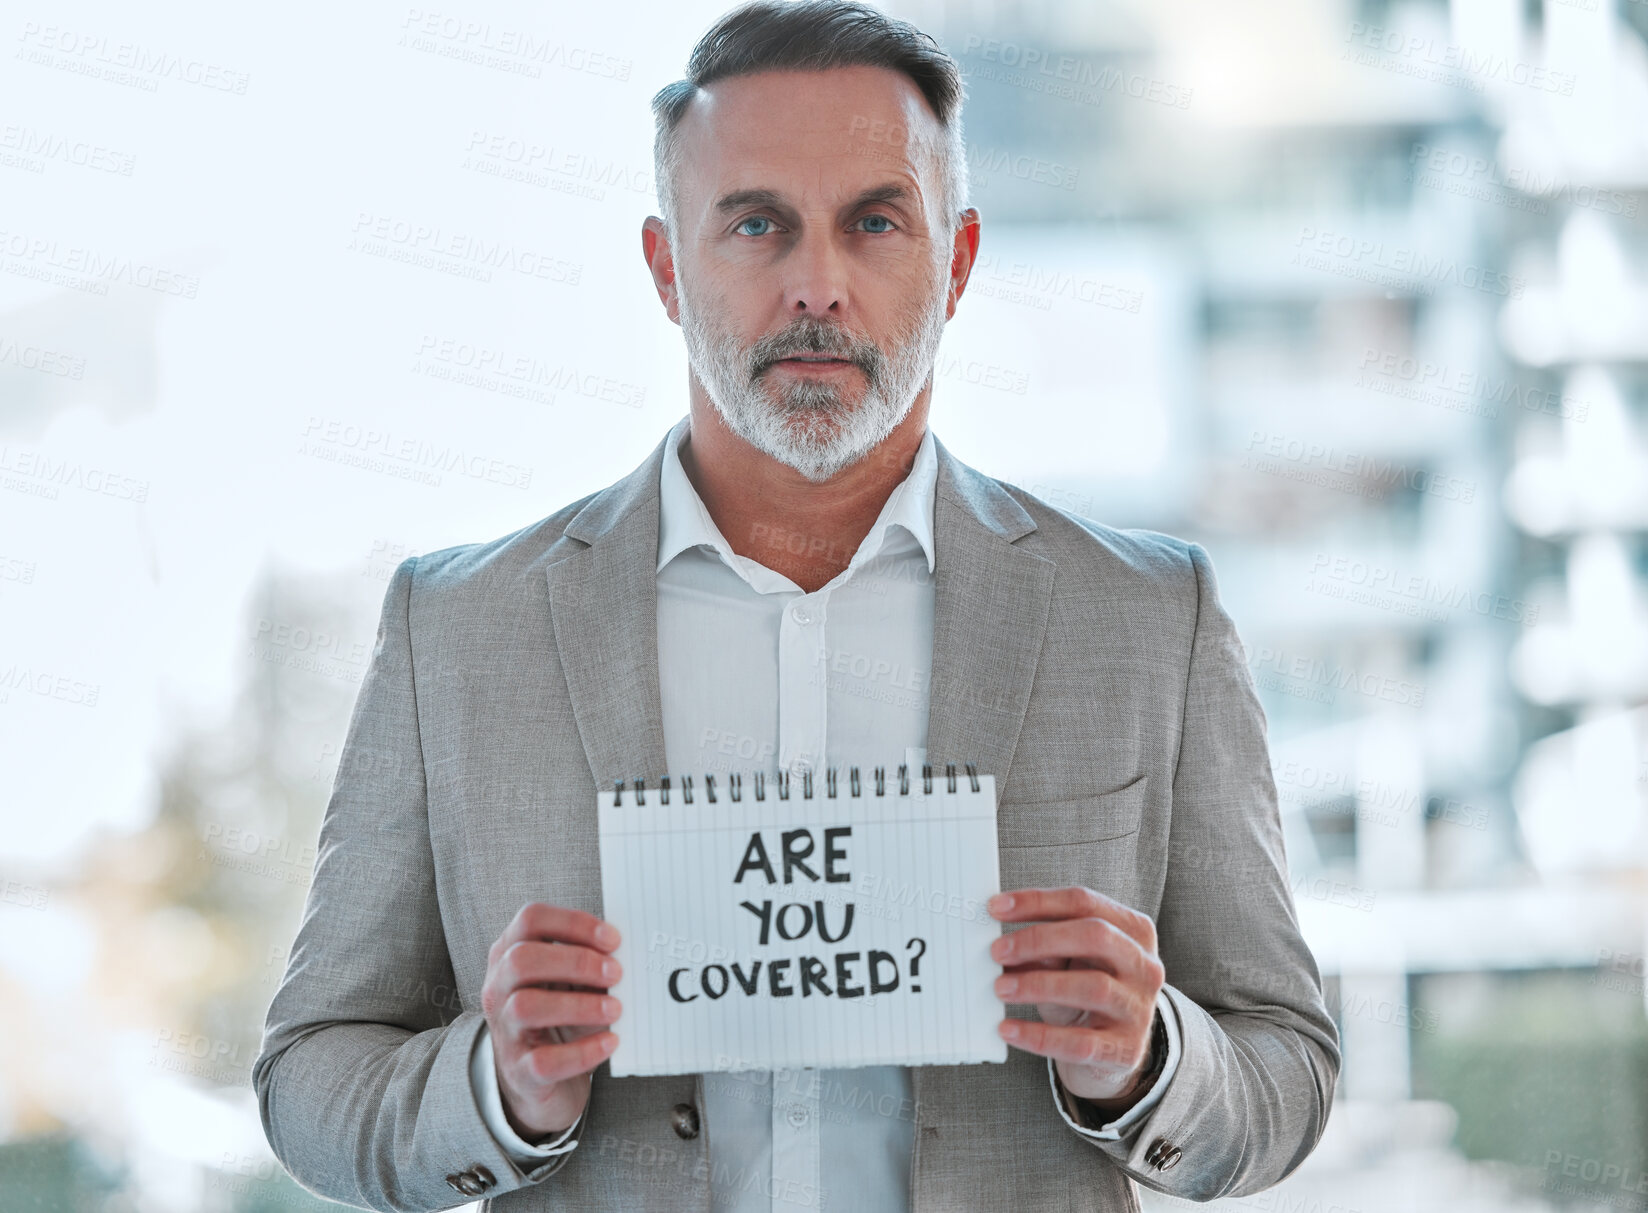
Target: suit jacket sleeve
{"points": [[363, 1076], [1260, 1053]]}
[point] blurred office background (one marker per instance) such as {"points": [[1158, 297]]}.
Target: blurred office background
{"points": [[1354, 294]]}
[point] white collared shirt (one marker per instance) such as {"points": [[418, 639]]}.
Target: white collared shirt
{"points": [[757, 674]]}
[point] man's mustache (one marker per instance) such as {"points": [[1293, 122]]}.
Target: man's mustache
{"points": [[814, 337]]}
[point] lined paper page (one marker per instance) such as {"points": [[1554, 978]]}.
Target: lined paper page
{"points": [[824, 932]]}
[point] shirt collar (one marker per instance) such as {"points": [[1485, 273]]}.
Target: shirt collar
{"points": [[684, 522]]}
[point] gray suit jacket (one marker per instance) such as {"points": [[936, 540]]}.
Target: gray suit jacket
{"points": [[1091, 670]]}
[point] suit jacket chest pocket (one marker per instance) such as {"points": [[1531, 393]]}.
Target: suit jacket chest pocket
{"points": [[1085, 840]]}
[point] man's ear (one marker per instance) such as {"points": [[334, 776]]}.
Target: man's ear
{"points": [[963, 255], [660, 258]]}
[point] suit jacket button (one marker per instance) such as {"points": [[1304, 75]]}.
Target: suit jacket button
{"points": [[455, 1181], [1163, 1154], [684, 1120], [484, 1177], [466, 1183]]}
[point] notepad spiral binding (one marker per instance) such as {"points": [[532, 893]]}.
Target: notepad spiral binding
{"points": [[736, 790]]}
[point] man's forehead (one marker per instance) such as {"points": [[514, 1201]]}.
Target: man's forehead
{"points": [[846, 129], [791, 114]]}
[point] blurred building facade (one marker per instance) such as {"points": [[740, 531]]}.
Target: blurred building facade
{"points": [[1418, 306]]}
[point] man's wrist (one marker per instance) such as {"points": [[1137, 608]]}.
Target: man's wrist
{"points": [[528, 1150], [1150, 1071], [532, 1137]]}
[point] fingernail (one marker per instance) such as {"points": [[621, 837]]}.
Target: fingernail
{"points": [[609, 970], [1007, 986], [609, 1008], [606, 935], [1002, 948], [1001, 903], [1010, 1029]]}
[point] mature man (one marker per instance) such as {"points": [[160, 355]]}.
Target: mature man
{"points": [[1169, 1024]]}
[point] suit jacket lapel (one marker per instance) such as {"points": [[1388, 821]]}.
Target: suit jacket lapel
{"points": [[603, 605], [990, 610]]}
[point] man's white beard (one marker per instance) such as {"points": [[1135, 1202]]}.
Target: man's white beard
{"points": [[813, 427]]}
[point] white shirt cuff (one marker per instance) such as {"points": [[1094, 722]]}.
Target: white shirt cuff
{"points": [[1114, 1130], [483, 1079]]}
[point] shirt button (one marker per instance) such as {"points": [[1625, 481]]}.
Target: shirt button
{"points": [[803, 765], [798, 1115], [801, 614]]}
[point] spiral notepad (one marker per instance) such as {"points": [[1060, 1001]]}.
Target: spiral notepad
{"points": [[767, 923]]}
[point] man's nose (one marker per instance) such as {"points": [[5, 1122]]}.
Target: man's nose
{"points": [[816, 277]]}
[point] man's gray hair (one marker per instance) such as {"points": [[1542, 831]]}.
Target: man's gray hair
{"points": [[815, 35]]}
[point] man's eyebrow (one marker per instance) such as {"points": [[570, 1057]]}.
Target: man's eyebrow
{"points": [[737, 200], [883, 193]]}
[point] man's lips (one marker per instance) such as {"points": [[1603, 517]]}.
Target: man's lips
{"points": [[818, 362]]}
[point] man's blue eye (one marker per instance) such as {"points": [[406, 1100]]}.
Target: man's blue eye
{"points": [[753, 219], [879, 219]]}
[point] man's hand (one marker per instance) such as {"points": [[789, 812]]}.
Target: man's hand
{"points": [[1089, 965], [545, 1005]]}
